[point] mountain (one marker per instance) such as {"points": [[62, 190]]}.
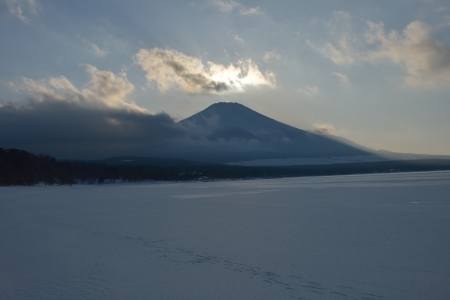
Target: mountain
{"points": [[245, 134], [228, 120]]}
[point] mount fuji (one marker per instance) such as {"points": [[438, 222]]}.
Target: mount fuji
{"points": [[241, 133]]}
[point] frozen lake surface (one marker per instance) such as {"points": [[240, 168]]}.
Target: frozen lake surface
{"points": [[383, 236]]}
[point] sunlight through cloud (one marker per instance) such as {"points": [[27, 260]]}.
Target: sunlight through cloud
{"points": [[173, 69]]}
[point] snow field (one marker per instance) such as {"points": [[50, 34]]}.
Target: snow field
{"points": [[381, 236]]}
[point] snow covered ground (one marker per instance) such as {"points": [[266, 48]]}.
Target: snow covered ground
{"points": [[336, 159], [383, 236]]}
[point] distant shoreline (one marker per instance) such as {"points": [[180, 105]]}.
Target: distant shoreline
{"points": [[18, 167]]}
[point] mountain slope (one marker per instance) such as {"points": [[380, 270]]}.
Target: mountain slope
{"points": [[234, 115], [255, 136]]}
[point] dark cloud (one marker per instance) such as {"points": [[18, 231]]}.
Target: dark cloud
{"points": [[68, 130]]}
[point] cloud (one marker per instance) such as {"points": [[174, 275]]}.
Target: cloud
{"points": [[238, 39], [230, 5], [308, 90], [340, 51], [22, 8], [172, 69], [104, 90], [93, 122], [250, 11], [426, 60], [13, 87], [325, 128], [110, 88], [98, 51], [268, 55], [225, 6], [340, 54], [94, 48], [342, 77]]}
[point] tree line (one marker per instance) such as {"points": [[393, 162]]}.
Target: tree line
{"points": [[19, 167]]}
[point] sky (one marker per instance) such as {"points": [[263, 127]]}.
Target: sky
{"points": [[374, 72]]}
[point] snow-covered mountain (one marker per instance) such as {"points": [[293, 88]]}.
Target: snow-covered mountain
{"points": [[233, 123], [233, 120]]}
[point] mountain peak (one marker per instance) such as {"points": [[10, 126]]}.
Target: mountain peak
{"points": [[225, 103], [223, 115]]}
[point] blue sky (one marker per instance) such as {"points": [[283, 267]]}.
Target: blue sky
{"points": [[375, 72]]}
